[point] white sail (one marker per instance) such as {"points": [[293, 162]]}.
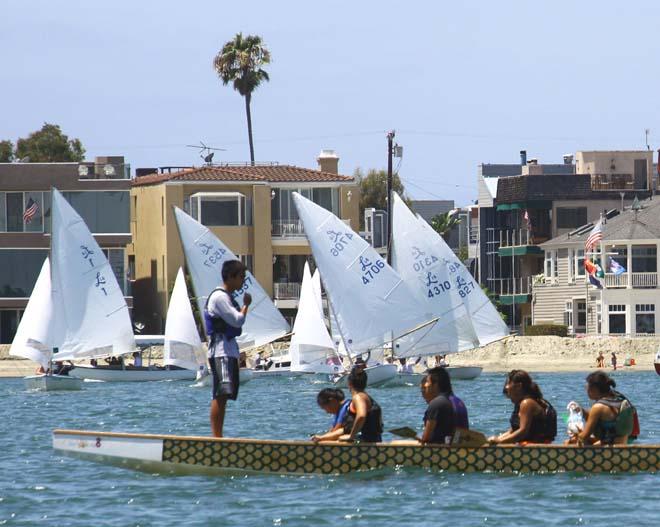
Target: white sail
{"points": [[370, 300], [34, 336], [485, 318], [183, 347], [311, 348], [416, 257], [205, 254], [95, 318]]}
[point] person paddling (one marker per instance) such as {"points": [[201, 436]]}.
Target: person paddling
{"points": [[364, 420], [332, 401], [533, 419], [445, 412], [612, 419], [224, 319]]}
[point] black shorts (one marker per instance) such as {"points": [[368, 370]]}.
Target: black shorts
{"points": [[225, 377]]}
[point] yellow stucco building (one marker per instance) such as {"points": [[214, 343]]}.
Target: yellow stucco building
{"points": [[249, 208]]}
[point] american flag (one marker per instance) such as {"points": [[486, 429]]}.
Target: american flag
{"points": [[595, 236], [31, 210]]}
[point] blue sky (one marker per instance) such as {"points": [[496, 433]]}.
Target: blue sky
{"points": [[462, 83]]}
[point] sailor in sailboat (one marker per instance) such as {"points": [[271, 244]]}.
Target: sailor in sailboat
{"points": [[224, 319]]}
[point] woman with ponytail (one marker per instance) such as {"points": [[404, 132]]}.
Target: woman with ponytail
{"points": [[332, 401], [612, 419], [533, 419]]}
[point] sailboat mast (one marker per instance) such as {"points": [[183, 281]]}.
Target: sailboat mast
{"points": [[390, 147]]}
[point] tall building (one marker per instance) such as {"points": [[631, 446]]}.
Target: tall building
{"points": [[98, 190], [250, 208], [521, 207]]}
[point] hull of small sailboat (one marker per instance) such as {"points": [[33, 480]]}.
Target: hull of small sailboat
{"points": [[376, 376], [49, 383], [244, 375], [101, 373], [285, 371], [656, 364], [204, 455], [465, 373]]}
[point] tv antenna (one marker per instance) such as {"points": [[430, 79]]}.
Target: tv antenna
{"points": [[206, 152], [646, 133]]}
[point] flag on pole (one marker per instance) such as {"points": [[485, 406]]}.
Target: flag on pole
{"points": [[595, 236], [528, 221], [590, 267], [594, 281], [31, 210], [616, 268]]}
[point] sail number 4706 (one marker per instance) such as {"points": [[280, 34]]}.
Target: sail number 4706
{"points": [[371, 271]]}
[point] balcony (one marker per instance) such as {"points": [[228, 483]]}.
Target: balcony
{"points": [[518, 242], [512, 290], [286, 290], [633, 280], [291, 228], [613, 182]]}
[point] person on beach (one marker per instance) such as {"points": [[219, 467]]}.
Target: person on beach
{"points": [[332, 401], [612, 419], [614, 361], [600, 360], [364, 420], [224, 319], [533, 419], [445, 412]]}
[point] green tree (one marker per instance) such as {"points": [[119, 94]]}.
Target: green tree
{"points": [[373, 189], [443, 223], [240, 62], [496, 302], [6, 151], [49, 145]]}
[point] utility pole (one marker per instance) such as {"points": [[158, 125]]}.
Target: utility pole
{"points": [[390, 153]]}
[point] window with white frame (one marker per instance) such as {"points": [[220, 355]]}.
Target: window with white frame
{"points": [[568, 314], [550, 268], [579, 262], [644, 318], [617, 318], [219, 209]]}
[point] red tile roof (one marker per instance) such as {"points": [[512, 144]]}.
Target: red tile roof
{"points": [[259, 173]]}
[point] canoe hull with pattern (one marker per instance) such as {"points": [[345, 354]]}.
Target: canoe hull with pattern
{"points": [[186, 455]]}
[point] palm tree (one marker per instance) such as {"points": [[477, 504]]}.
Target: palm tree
{"points": [[240, 62], [443, 223]]}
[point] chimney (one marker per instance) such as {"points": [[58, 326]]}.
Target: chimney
{"points": [[328, 161], [568, 159], [523, 157]]}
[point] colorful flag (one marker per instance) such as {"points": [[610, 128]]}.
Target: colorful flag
{"points": [[31, 210], [616, 268], [590, 267], [595, 236], [594, 281]]}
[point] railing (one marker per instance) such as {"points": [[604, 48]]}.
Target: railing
{"points": [[511, 286], [291, 228], [104, 171], [613, 181], [639, 280], [286, 290], [516, 237]]}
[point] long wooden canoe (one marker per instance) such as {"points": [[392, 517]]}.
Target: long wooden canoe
{"points": [[190, 454]]}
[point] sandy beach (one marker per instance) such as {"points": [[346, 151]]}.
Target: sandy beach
{"points": [[535, 354]]}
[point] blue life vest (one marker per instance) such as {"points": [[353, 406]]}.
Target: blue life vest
{"points": [[217, 326], [460, 412], [341, 414]]}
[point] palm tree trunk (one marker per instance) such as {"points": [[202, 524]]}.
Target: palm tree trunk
{"points": [[248, 97]]}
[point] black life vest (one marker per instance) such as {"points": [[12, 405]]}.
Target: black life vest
{"points": [[217, 326], [372, 428], [544, 425]]}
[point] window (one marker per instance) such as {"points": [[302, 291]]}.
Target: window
{"points": [[103, 211], [283, 208], [645, 318], [219, 209], [33, 208], [568, 314], [14, 211], [621, 256], [617, 316], [644, 259], [579, 262], [9, 319], [551, 270], [247, 261], [19, 269], [24, 211], [116, 260], [571, 217], [581, 326]]}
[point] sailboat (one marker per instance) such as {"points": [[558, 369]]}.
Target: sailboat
{"points": [[372, 304], [205, 254], [88, 317], [311, 349], [656, 362], [428, 265], [34, 337]]}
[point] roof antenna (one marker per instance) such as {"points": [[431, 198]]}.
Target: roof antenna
{"points": [[206, 152], [646, 133]]}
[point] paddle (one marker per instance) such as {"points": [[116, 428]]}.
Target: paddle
{"points": [[462, 436]]}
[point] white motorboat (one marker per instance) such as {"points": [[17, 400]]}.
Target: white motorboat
{"points": [[203, 378], [49, 383], [378, 375], [465, 373], [132, 374], [280, 367]]}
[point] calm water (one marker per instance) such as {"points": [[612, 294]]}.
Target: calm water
{"points": [[39, 487]]}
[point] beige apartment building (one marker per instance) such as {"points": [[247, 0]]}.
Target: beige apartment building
{"points": [[628, 301], [250, 208], [98, 190]]}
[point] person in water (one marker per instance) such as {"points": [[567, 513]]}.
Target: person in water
{"points": [[533, 419], [364, 420], [612, 418], [445, 412], [332, 401], [224, 319]]}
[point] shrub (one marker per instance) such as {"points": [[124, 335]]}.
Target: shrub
{"points": [[536, 330]]}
